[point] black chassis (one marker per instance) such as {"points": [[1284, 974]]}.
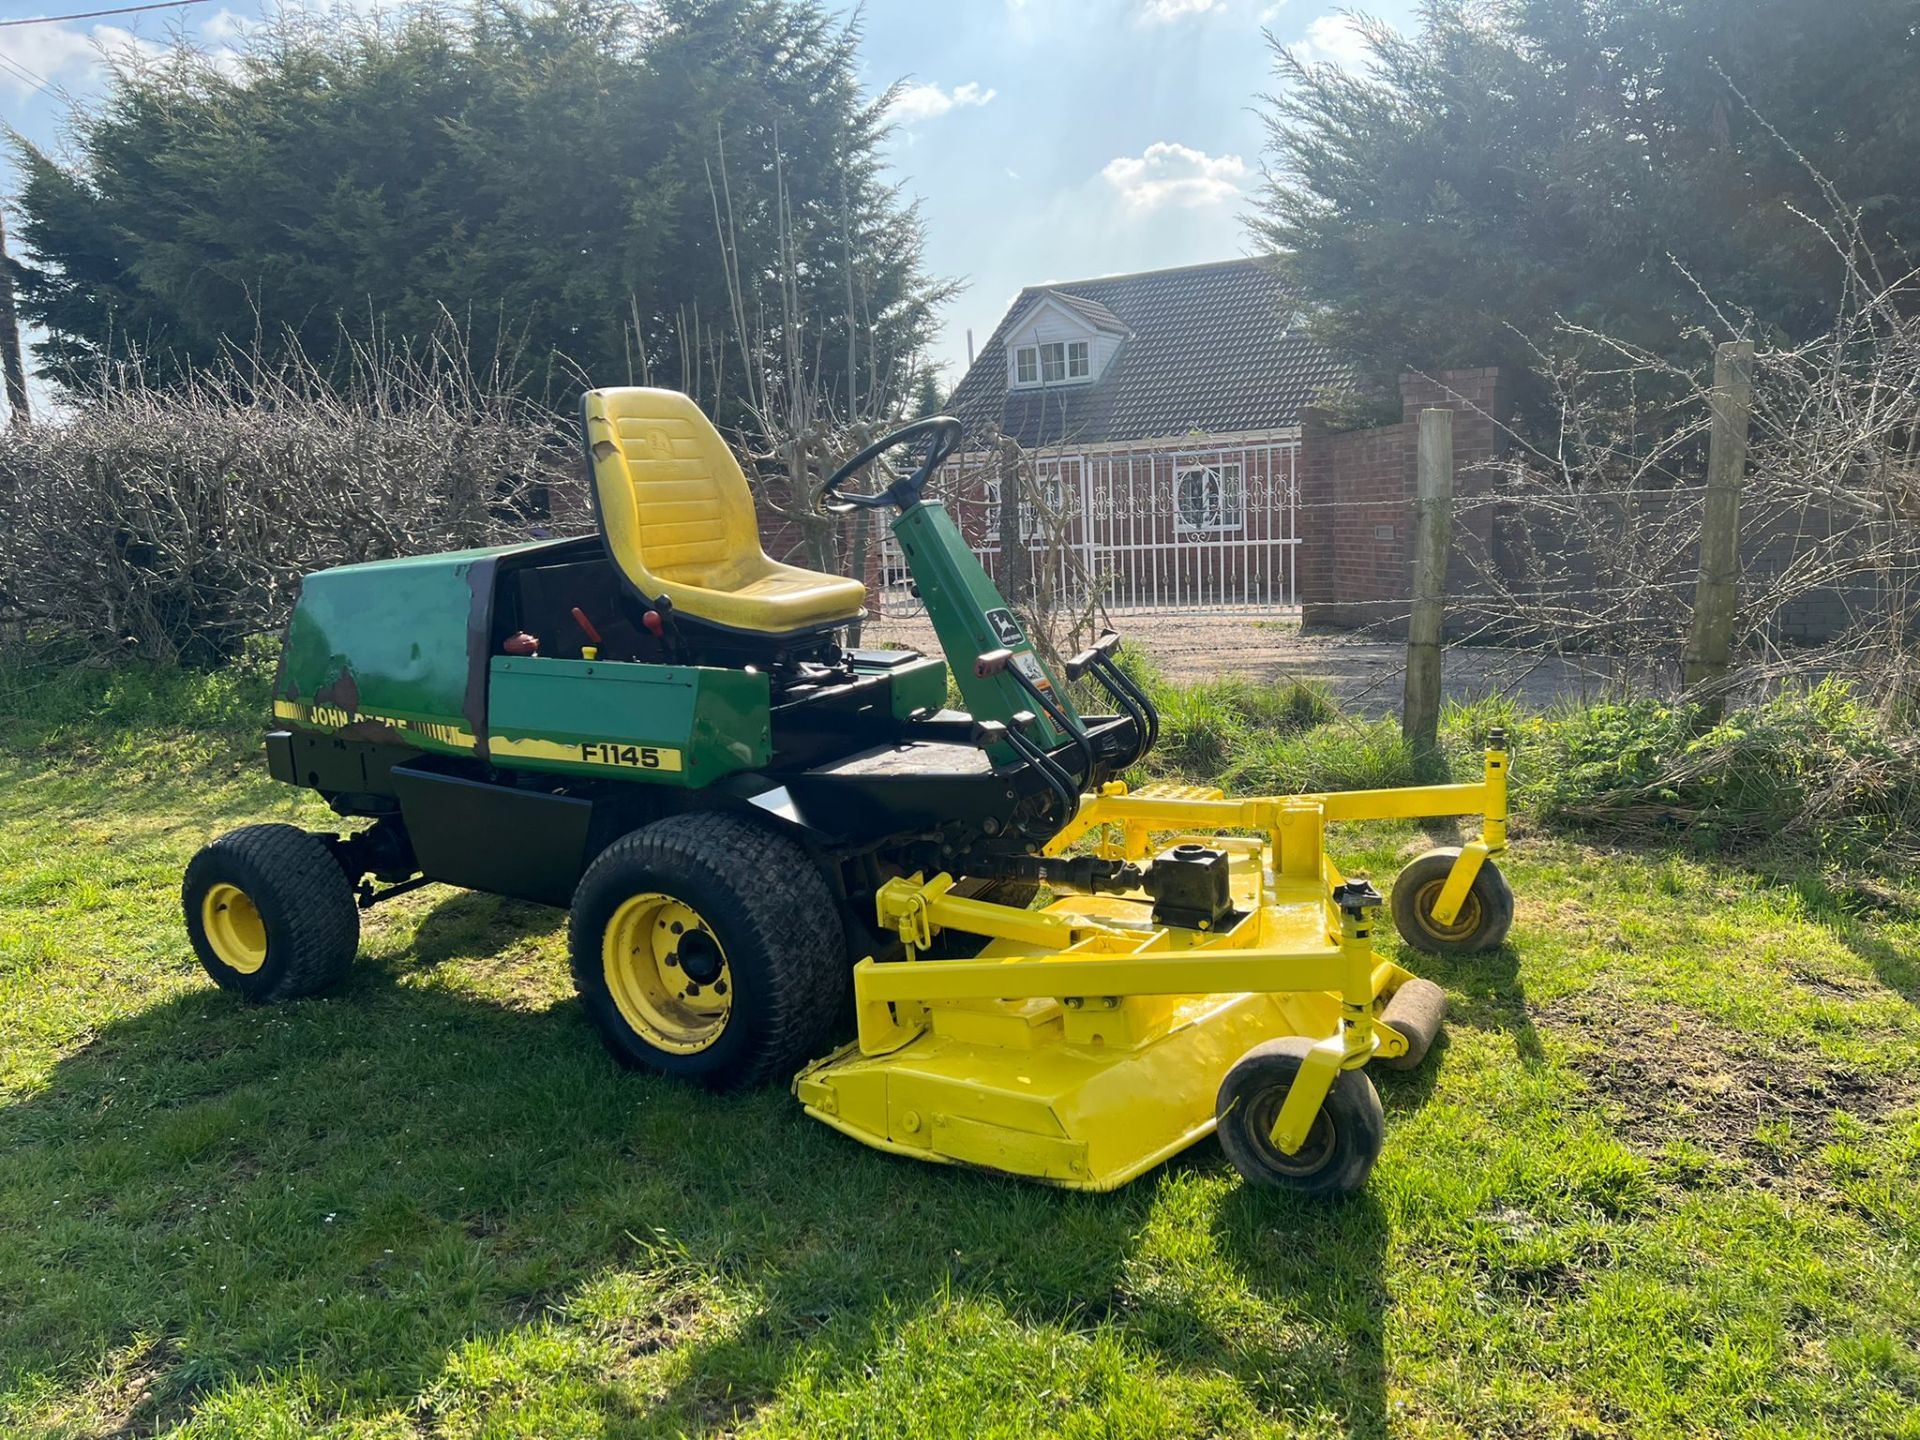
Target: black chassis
{"points": [[902, 795]]}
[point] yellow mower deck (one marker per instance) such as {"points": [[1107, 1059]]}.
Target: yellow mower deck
{"points": [[1084, 1044]]}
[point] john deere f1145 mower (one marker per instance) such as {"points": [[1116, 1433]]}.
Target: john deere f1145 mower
{"points": [[760, 833]]}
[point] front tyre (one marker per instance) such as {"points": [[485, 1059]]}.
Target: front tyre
{"points": [[709, 948], [1484, 918], [1341, 1145], [270, 913]]}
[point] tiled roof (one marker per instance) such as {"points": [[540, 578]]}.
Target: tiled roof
{"points": [[1212, 348], [1092, 311]]}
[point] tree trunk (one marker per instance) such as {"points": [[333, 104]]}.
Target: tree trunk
{"points": [[1013, 545], [11, 363]]}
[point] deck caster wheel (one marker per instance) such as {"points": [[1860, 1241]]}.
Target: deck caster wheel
{"points": [[1484, 918], [1341, 1146], [1416, 1010], [270, 913], [709, 948]]}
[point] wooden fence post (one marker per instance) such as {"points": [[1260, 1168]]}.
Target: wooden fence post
{"points": [[1710, 647], [1432, 538]]}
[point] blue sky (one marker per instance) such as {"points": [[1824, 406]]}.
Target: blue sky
{"points": [[1046, 139]]}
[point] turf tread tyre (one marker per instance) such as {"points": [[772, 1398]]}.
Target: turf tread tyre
{"points": [[1340, 1149], [305, 901], [1416, 887], [773, 913]]}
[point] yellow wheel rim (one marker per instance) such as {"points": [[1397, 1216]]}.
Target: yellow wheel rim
{"points": [[667, 973], [234, 928], [1464, 924]]}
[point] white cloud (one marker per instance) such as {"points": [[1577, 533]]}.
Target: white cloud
{"points": [[52, 52], [1334, 40], [228, 25], [1177, 175], [926, 102], [68, 57], [1161, 12], [1272, 12]]}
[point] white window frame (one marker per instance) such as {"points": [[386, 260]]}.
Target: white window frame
{"points": [[1218, 519], [1071, 363]]}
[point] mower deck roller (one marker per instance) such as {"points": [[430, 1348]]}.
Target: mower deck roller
{"points": [[659, 728], [1086, 1042]]}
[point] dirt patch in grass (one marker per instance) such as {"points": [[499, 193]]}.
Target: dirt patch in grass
{"points": [[654, 1328], [136, 1399], [1671, 1079], [1523, 1268]]}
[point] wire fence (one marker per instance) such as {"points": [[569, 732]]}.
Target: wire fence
{"points": [[1576, 561]]}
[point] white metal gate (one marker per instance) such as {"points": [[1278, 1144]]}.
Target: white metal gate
{"points": [[1188, 525]]}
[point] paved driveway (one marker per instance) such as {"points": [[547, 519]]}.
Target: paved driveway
{"points": [[1364, 675]]}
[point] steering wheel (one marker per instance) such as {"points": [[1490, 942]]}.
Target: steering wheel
{"points": [[946, 433]]}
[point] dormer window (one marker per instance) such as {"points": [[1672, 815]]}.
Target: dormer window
{"points": [[1052, 363]]}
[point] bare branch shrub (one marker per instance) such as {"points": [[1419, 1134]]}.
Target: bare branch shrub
{"points": [[800, 429], [1031, 518], [172, 524], [1598, 525]]}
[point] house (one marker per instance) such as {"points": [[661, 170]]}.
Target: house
{"points": [[1162, 413]]}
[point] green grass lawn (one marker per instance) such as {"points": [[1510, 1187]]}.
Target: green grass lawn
{"points": [[1662, 1177]]}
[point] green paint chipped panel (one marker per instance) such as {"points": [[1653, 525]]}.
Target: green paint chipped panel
{"points": [[385, 641]]}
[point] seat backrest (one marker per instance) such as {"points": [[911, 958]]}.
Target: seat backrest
{"points": [[673, 503]]}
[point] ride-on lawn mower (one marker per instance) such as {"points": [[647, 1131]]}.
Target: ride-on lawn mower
{"points": [[657, 727]]}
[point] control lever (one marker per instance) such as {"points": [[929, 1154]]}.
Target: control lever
{"points": [[1065, 790], [988, 733], [1118, 684], [1107, 645], [1061, 721]]}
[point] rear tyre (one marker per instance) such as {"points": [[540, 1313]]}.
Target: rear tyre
{"points": [[270, 913], [1484, 918], [709, 948], [1341, 1146]]}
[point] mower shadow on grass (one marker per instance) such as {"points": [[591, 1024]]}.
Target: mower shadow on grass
{"points": [[1284, 1297], [1896, 966], [467, 925], [358, 1191], [1484, 992]]}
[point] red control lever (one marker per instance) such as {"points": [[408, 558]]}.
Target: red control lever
{"points": [[580, 619]]}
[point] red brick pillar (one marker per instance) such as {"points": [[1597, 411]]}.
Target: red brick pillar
{"points": [[1356, 493]]}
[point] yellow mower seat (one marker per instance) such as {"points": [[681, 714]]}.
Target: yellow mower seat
{"points": [[678, 519]]}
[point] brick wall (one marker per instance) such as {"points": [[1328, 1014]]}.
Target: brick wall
{"points": [[1356, 498], [1356, 564]]}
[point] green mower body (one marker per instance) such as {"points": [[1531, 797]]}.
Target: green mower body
{"points": [[404, 695]]}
